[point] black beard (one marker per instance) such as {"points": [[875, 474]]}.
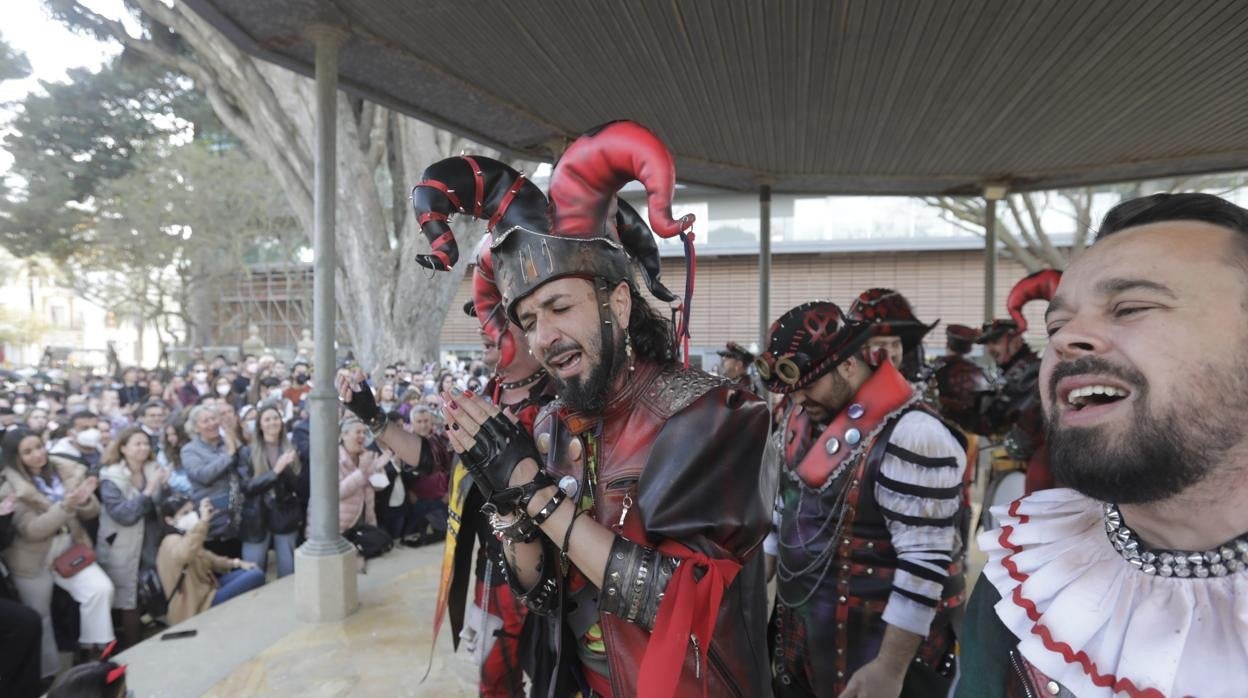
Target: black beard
{"points": [[589, 395], [1160, 454]]}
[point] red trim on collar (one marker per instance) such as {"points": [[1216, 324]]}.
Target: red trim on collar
{"points": [[1046, 635], [883, 393]]}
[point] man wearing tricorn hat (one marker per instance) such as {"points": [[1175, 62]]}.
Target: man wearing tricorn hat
{"points": [[894, 328], [631, 524], [734, 364], [869, 569]]}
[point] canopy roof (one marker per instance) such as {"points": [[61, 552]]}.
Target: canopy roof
{"points": [[819, 96]]}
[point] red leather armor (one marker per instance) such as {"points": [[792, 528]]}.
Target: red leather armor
{"points": [[686, 449]]}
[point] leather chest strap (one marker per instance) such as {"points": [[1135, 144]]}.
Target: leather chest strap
{"points": [[855, 426]]}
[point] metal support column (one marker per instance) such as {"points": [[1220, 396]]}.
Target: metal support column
{"points": [[323, 509], [764, 265], [325, 565], [992, 194]]}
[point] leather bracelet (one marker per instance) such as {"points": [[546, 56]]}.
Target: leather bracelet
{"points": [[567, 538], [522, 530], [517, 498], [546, 511]]}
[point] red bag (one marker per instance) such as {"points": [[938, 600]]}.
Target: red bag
{"points": [[74, 560]]}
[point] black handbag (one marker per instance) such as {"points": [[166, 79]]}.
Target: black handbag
{"points": [[285, 510], [151, 593], [369, 540]]}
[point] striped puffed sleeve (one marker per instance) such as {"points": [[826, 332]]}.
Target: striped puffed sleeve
{"points": [[919, 489]]}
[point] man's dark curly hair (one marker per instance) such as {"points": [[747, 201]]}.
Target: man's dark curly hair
{"points": [[652, 335]]}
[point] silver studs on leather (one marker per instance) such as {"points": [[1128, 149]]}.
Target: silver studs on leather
{"points": [[1225, 559]]}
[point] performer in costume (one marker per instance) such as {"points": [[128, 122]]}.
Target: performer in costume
{"points": [[631, 524], [894, 328], [1012, 413], [870, 571], [1133, 581], [959, 384], [520, 387], [734, 364]]}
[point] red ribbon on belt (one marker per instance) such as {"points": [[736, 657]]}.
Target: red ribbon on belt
{"points": [[690, 608]]}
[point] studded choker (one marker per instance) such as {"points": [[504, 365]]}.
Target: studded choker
{"points": [[527, 381], [1228, 558]]}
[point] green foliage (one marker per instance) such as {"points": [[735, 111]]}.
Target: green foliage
{"points": [[13, 64], [81, 133]]}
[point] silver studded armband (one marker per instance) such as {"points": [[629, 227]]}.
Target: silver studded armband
{"points": [[635, 579]]}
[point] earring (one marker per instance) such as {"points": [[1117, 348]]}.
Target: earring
{"points": [[628, 350]]}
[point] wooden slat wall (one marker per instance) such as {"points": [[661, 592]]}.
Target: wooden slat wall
{"points": [[944, 284]]}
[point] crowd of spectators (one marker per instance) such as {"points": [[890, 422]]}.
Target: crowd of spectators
{"points": [[137, 500]]}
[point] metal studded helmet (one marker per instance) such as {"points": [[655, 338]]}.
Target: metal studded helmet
{"points": [[890, 315], [807, 342]]}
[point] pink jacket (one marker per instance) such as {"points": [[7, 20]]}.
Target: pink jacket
{"points": [[355, 493]]}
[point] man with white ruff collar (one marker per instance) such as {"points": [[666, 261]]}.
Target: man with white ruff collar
{"points": [[1133, 578]]}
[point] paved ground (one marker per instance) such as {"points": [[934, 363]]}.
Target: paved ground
{"points": [[254, 646]]}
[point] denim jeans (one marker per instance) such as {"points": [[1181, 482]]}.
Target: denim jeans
{"points": [[283, 545], [236, 583]]}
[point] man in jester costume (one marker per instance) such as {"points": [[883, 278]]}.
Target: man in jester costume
{"points": [[632, 523]]}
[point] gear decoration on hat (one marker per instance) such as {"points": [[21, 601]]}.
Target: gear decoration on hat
{"points": [[1041, 285], [889, 314], [807, 342], [583, 230]]}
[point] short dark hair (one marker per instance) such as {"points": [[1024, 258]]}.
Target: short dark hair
{"points": [[1188, 206], [149, 405], [81, 415]]}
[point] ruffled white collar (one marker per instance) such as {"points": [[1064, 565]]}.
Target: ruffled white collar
{"points": [[1091, 621]]}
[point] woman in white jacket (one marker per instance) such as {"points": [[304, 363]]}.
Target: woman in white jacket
{"points": [[131, 488]]}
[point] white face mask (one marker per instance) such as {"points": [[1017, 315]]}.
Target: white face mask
{"points": [[89, 438], [249, 427], [19, 408], [201, 376], [187, 521], [275, 394], [223, 389]]}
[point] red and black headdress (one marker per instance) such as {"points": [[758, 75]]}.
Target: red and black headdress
{"points": [[1040, 285], [584, 230], [889, 314], [806, 343]]}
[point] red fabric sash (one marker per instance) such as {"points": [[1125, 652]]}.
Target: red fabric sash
{"points": [[690, 608]]}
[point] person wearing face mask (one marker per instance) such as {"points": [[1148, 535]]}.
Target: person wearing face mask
{"points": [[54, 496], [272, 510], [194, 577], [196, 385], [82, 441], [301, 383], [224, 391], [131, 487]]}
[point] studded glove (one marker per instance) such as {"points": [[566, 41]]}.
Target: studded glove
{"points": [[498, 448], [363, 405]]}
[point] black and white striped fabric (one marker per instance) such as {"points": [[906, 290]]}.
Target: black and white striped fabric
{"points": [[919, 491]]}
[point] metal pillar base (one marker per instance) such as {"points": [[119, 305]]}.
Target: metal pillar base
{"points": [[325, 584]]}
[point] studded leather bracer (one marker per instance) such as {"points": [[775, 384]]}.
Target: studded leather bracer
{"points": [[635, 579]]}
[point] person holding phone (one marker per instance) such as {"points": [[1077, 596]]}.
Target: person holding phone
{"points": [[194, 578], [53, 497]]}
